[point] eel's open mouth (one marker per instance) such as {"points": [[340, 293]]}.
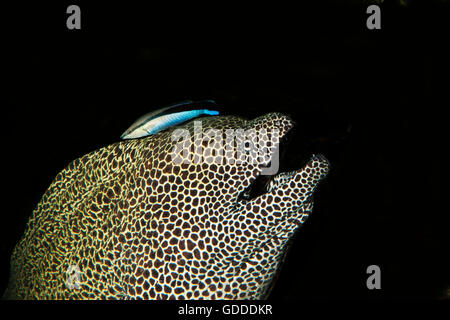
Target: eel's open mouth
{"points": [[265, 183]]}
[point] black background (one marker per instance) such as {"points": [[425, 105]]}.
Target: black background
{"points": [[373, 102]]}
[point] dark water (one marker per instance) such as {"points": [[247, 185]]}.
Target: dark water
{"points": [[373, 102]]}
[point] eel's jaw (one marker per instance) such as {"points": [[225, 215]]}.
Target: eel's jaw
{"points": [[303, 182]]}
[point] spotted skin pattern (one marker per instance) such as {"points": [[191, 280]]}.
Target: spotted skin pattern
{"points": [[138, 225]]}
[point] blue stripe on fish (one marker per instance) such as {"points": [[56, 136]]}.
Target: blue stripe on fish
{"points": [[158, 120], [164, 122]]}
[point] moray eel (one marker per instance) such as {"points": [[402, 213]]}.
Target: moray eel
{"points": [[128, 222]]}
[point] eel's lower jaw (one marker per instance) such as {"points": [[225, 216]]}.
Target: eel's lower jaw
{"points": [[279, 179], [267, 183]]}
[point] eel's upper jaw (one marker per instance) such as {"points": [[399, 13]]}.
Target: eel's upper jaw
{"points": [[314, 170]]}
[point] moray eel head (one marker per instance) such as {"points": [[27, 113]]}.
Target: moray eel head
{"points": [[174, 215]]}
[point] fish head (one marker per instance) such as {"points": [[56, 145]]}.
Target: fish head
{"points": [[205, 218]]}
